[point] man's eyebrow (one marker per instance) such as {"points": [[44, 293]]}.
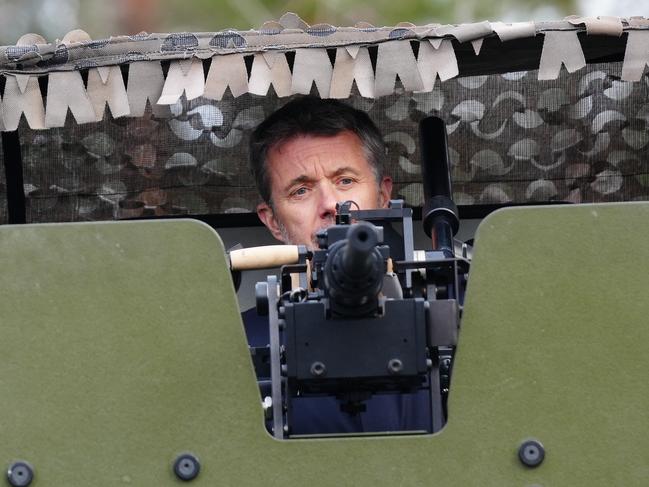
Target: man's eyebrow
{"points": [[345, 170], [298, 180], [304, 179]]}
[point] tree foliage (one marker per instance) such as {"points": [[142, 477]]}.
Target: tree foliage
{"points": [[53, 18]]}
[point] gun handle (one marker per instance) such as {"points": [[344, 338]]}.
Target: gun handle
{"points": [[264, 257]]}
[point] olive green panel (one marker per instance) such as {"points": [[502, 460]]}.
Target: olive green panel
{"points": [[123, 347], [115, 352]]}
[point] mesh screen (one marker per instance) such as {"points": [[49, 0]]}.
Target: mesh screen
{"points": [[512, 138]]}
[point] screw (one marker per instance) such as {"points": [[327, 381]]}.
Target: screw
{"points": [[395, 366], [318, 369], [20, 474], [446, 365], [531, 453], [267, 405], [187, 467]]}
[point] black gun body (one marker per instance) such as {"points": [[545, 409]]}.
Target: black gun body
{"points": [[325, 355]]}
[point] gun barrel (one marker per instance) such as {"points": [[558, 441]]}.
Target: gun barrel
{"points": [[353, 272], [358, 256]]}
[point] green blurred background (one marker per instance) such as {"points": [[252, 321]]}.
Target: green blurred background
{"points": [[101, 18]]}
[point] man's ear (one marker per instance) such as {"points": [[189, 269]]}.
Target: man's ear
{"points": [[267, 217], [385, 191]]}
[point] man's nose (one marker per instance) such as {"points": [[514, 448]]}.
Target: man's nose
{"points": [[328, 200]]}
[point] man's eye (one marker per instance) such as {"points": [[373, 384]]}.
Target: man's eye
{"points": [[299, 192], [345, 181]]}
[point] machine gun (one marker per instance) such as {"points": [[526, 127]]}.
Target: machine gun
{"points": [[365, 313]]}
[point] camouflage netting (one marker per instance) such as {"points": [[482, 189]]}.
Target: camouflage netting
{"points": [[545, 133]]}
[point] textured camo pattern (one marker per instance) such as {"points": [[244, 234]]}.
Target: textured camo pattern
{"points": [[580, 138]]}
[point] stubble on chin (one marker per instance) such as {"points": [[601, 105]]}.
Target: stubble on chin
{"points": [[290, 239], [314, 240]]}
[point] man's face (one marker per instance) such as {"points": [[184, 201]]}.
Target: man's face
{"points": [[308, 175]]}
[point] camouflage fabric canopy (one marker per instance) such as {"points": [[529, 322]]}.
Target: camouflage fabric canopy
{"points": [[158, 124]]}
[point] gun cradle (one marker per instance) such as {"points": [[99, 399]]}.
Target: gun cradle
{"points": [[386, 353]]}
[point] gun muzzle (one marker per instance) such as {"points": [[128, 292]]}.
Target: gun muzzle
{"points": [[358, 258], [353, 272]]}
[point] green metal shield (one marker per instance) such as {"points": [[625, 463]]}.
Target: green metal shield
{"points": [[122, 347]]}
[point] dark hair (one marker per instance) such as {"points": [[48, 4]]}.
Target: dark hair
{"points": [[309, 115]]}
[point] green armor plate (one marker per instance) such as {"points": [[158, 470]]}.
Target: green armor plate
{"points": [[123, 348]]}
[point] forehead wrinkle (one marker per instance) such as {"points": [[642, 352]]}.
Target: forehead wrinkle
{"points": [[343, 170], [307, 172], [298, 180], [305, 179], [319, 158], [319, 145]]}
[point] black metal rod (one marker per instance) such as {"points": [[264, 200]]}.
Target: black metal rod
{"points": [[14, 177], [439, 215], [434, 158], [442, 237]]}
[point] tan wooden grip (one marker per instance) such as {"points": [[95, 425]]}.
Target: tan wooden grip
{"points": [[263, 257]]}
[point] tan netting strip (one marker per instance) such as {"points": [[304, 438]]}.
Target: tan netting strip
{"points": [[269, 48]]}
